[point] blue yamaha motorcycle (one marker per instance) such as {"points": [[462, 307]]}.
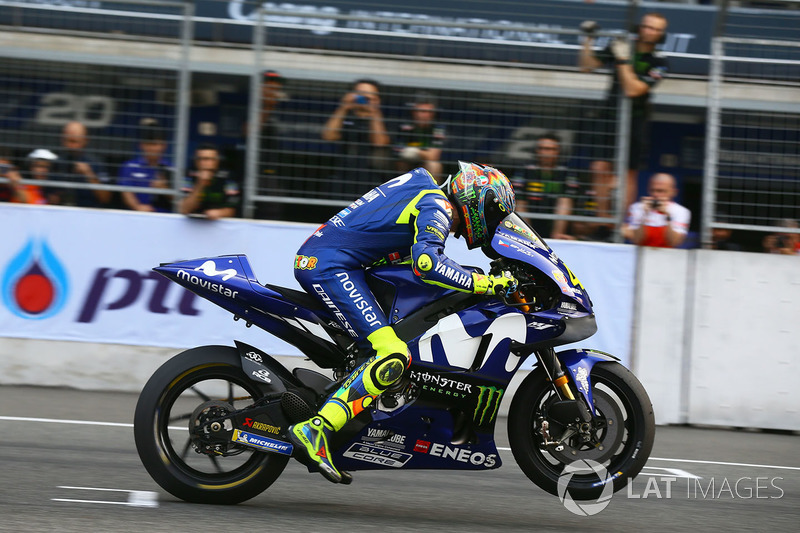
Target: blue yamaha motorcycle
{"points": [[211, 424]]}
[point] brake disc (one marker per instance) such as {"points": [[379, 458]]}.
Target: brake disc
{"points": [[606, 437]]}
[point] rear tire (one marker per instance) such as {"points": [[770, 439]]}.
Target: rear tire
{"points": [[192, 378], [622, 434]]}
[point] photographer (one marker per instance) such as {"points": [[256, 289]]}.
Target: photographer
{"points": [[358, 129], [656, 220], [636, 72]]}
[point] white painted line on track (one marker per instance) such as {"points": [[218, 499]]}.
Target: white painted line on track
{"points": [[723, 463], [91, 488], [62, 421], [136, 498], [83, 422], [778, 467], [87, 501], [119, 424], [674, 472]]}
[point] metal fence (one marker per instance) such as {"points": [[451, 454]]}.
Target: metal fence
{"points": [[78, 108], [496, 84], [752, 181]]}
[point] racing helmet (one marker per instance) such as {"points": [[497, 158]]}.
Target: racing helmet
{"points": [[482, 196]]}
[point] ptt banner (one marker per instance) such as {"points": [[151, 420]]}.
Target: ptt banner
{"points": [[85, 275]]}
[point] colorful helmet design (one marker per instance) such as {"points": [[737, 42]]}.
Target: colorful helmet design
{"points": [[483, 197]]}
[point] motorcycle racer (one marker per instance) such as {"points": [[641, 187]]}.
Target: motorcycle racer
{"points": [[408, 215]]}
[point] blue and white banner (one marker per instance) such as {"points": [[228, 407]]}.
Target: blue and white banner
{"points": [[85, 275]]}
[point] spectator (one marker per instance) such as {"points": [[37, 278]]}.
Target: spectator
{"points": [[13, 191], [635, 74], [76, 165], [656, 220], [546, 187], [211, 192], [358, 126], [597, 199], [420, 141], [273, 177], [786, 243], [721, 238], [149, 169], [271, 94], [40, 163]]}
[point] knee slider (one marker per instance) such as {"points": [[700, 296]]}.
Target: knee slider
{"points": [[390, 369]]}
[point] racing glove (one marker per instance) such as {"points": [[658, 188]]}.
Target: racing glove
{"points": [[505, 284]]}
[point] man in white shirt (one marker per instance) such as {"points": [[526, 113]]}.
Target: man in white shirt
{"points": [[656, 220]]}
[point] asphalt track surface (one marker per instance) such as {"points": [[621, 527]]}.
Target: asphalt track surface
{"points": [[51, 470]]}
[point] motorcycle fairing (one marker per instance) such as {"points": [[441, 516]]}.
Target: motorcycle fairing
{"points": [[228, 281], [515, 240], [418, 438]]}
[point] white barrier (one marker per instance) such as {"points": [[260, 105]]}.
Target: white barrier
{"points": [[717, 337]]}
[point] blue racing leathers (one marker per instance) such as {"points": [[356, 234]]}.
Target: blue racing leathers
{"points": [[406, 215]]}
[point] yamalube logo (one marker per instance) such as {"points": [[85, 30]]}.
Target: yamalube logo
{"points": [[587, 507]]}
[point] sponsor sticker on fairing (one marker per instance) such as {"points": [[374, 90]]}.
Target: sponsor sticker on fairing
{"points": [[377, 455], [263, 443]]}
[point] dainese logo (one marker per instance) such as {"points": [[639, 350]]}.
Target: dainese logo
{"points": [[35, 283]]}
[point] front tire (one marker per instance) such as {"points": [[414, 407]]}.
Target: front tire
{"points": [[620, 438], [208, 375]]}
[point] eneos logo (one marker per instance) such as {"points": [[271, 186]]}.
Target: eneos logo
{"points": [[34, 282]]}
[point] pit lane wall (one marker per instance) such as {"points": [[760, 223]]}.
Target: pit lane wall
{"points": [[106, 321]]}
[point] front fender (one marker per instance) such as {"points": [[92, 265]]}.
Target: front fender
{"points": [[580, 363]]}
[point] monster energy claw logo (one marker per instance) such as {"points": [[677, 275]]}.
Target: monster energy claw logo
{"points": [[488, 404]]}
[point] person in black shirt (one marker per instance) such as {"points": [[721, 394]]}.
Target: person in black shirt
{"points": [[419, 142], [546, 187], [636, 72], [211, 192], [75, 164]]}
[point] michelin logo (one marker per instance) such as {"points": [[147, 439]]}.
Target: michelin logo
{"points": [[263, 443]]}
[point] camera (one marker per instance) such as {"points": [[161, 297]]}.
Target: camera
{"points": [[360, 99], [654, 204], [589, 27]]}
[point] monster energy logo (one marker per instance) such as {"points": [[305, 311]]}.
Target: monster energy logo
{"points": [[488, 404]]}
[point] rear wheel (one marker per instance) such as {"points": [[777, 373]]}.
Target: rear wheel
{"points": [[613, 447], [194, 386]]}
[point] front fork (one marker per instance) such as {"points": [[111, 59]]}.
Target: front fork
{"points": [[569, 412]]}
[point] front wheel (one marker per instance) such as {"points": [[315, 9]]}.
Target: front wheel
{"points": [[201, 382], [614, 446]]}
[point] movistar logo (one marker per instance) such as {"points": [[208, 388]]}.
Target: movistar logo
{"points": [[209, 268], [488, 404]]}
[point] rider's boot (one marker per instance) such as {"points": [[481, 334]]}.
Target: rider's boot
{"points": [[357, 393]]}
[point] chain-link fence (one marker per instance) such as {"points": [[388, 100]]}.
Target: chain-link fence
{"points": [[399, 93], [753, 155], [497, 83], [92, 102]]}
